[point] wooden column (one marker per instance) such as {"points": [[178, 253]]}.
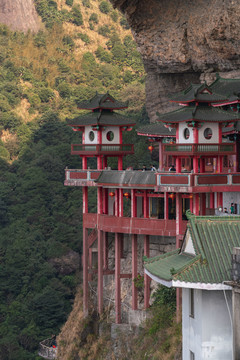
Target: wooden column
{"points": [[219, 164], [120, 193], [134, 272], [85, 199], [145, 205], [85, 271], [99, 163], [133, 203], [100, 272], [160, 155], [105, 250], [219, 199], [212, 200], [196, 204], [178, 218], [120, 163], [105, 201], [117, 279], [165, 206], [84, 163], [117, 202], [147, 279], [100, 200], [178, 165], [195, 165]]}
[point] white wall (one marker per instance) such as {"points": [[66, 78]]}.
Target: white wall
{"points": [[208, 335], [215, 133], [115, 130], [88, 129], [182, 140]]}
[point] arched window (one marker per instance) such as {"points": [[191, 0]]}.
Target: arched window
{"points": [[110, 136], [207, 133], [91, 136], [186, 133]]}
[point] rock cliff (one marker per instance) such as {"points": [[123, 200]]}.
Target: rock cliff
{"points": [[19, 15], [181, 40]]}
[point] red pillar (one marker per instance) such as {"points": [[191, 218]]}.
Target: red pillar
{"points": [[120, 194], [85, 271], [105, 250], [133, 203], [105, 201], [120, 163], [178, 165], [117, 280], [134, 272], [85, 199], [212, 201], [195, 165], [178, 218], [196, 204], [147, 279], [100, 272], [117, 202], [219, 199], [165, 206], [84, 163], [145, 205], [160, 155], [99, 163], [219, 164], [100, 200], [191, 203]]}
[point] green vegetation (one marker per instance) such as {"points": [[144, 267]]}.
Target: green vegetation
{"points": [[43, 77]]}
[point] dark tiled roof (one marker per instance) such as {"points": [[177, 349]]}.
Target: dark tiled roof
{"points": [[157, 129], [198, 92], [198, 113], [127, 178], [102, 101], [101, 118], [213, 240], [226, 87]]}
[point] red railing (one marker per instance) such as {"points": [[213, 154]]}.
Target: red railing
{"points": [[200, 149], [102, 149]]}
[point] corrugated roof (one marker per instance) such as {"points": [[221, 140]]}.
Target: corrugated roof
{"points": [[213, 240], [198, 113], [198, 92], [227, 87], [102, 101], [157, 129], [127, 178], [101, 118]]}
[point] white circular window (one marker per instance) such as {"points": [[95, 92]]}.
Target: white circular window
{"points": [[186, 133], [91, 136], [207, 133], [110, 136]]}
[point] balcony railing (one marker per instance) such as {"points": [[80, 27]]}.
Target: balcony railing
{"points": [[198, 149], [102, 149]]}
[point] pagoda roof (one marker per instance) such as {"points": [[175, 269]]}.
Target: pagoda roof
{"points": [[213, 238], [227, 87], [198, 114], [127, 178], [198, 93], [156, 130], [102, 118], [102, 101]]}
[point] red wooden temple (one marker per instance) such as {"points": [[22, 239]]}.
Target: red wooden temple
{"points": [[201, 139]]}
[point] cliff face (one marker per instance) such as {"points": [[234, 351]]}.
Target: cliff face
{"points": [[182, 39], [19, 15]]}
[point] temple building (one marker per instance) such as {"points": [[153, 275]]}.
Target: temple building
{"points": [[198, 143]]}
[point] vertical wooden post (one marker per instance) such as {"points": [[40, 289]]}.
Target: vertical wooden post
{"points": [[100, 200], [120, 193], [133, 203], [105, 250], [145, 205], [100, 272], [117, 280], [105, 201], [178, 165], [85, 199], [178, 218], [147, 279], [219, 164], [120, 162], [99, 163], [219, 199], [165, 206], [84, 163], [117, 202], [212, 201], [160, 155], [196, 204], [134, 272], [85, 271]]}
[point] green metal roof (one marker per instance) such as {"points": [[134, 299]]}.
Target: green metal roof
{"points": [[157, 129], [226, 87], [198, 113], [101, 118], [102, 101], [199, 93], [213, 239]]}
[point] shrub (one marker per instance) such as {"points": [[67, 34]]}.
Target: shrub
{"points": [[46, 94], [104, 30], [103, 55], [64, 90], [83, 37], [69, 2], [104, 7], [40, 39], [76, 16], [94, 18], [68, 41], [128, 76], [86, 3], [91, 26], [118, 52], [124, 23], [114, 16], [63, 67]]}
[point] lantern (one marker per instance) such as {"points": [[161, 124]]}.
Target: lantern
{"points": [[112, 194], [172, 196], [150, 148], [127, 195]]}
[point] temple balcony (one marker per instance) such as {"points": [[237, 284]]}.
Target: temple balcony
{"points": [[102, 149], [131, 225], [76, 177], [200, 149]]}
